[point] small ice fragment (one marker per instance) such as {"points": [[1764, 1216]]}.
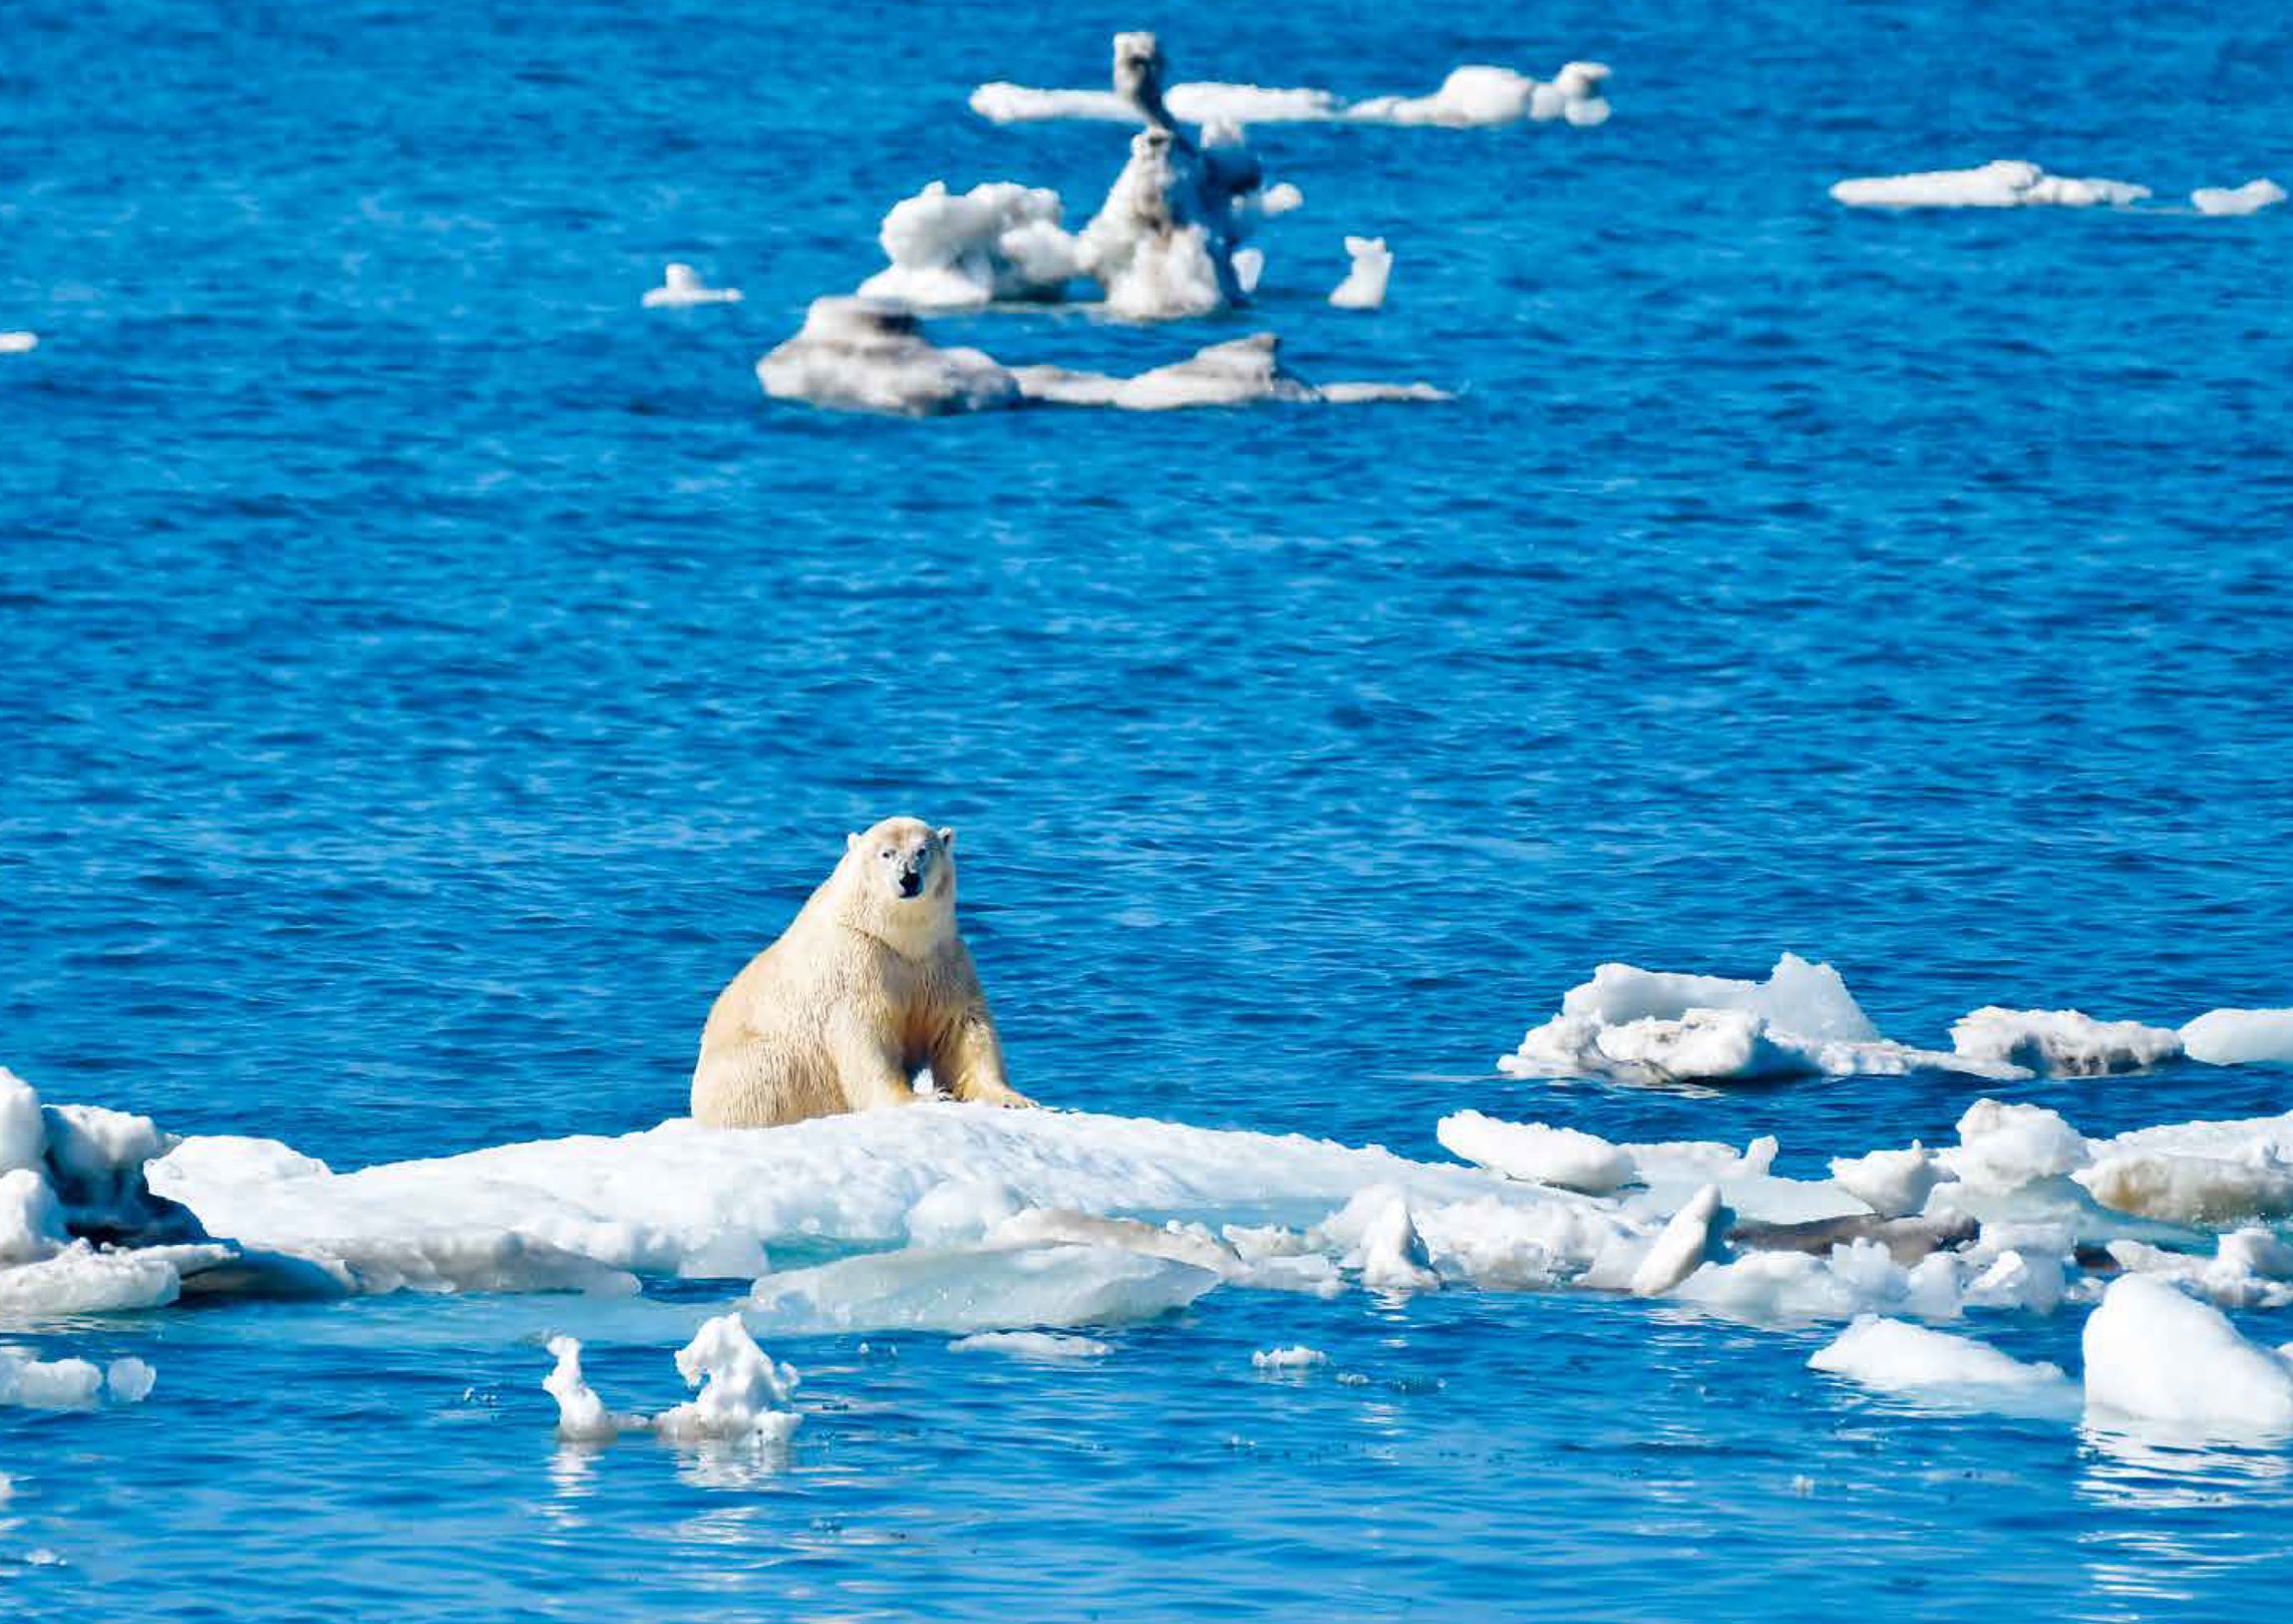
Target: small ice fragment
{"points": [[1249, 268], [2152, 1352], [1365, 285], [867, 355], [1031, 1345], [2006, 1147], [1393, 1255], [1894, 1356], [1536, 1154], [18, 343], [130, 1380], [23, 1131], [63, 1384], [2249, 198], [2237, 1037], [1892, 1184], [1280, 199], [681, 285], [1294, 1358], [1692, 1239], [742, 1389], [581, 1416], [961, 250]]}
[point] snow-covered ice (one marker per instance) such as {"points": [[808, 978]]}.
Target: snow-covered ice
{"points": [[1538, 1153], [1238, 372], [871, 355], [681, 285], [1476, 96], [2005, 184], [2249, 198], [986, 1288], [961, 250], [1365, 285], [1892, 1184], [2240, 1036], [2154, 1352], [1035, 1345], [581, 1416], [743, 1393], [1894, 1356], [1691, 1238], [2059, 1041]]}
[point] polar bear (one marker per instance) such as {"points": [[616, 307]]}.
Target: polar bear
{"points": [[866, 987]]}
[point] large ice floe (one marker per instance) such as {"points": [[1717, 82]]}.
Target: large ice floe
{"points": [[2154, 1353], [1476, 96], [2005, 184], [1896, 1357], [867, 355]]}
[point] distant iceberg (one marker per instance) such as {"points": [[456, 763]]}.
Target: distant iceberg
{"points": [[2005, 184]]}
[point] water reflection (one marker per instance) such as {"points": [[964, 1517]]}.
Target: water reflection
{"points": [[2181, 1514]]}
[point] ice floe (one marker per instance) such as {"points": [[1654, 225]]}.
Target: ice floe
{"points": [[2059, 1041], [681, 285], [2240, 1036], [1296, 1358], [70, 1383], [1892, 1184], [1894, 1356], [1365, 285], [999, 242], [2249, 198], [2005, 184], [871, 355], [2156, 1353], [1239, 372], [1470, 96], [743, 1393], [19, 342], [984, 1288], [1047, 1346], [1561, 1157], [1631, 1025], [1691, 1238], [581, 1416]]}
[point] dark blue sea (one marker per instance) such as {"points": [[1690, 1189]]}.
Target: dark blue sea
{"points": [[425, 677]]}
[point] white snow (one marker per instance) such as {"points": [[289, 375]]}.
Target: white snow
{"points": [[743, 1393], [2154, 1352], [2061, 1042], [1036, 1344], [1893, 1355], [1295, 1358], [2005, 184], [1365, 285], [868, 355], [961, 250], [681, 285], [2240, 1036], [1538, 1153], [2249, 198], [1892, 1184]]}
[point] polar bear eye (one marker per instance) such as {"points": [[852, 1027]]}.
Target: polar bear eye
{"points": [[887, 852]]}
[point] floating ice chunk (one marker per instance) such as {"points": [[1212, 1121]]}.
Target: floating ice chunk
{"points": [[1810, 1000], [2228, 1278], [2019, 1280], [1365, 285], [130, 1380], [1893, 1355], [2005, 184], [2198, 1191], [1038, 1345], [681, 285], [2156, 1353], [1479, 97], [961, 1210], [1249, 268], [1288, 1359], [2240, 1036], [960, 250], [1855, 1278], [19, 343], [22, 1129], [1239, 372], [2250, 199], [2061, 1043], [31, 1221], [742, 1392], [866, 355], [62, 1384], [1386, 1246], [81, 1280], [1693, 1237], [1892, 1184], [581, 1416], [962, 1289], [2005, 1146], [1561, 1157], [1174, 1242], [1162, 245], [1280, 199]]}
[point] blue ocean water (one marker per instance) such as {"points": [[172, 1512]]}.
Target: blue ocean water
{"points": [[428, 677]]}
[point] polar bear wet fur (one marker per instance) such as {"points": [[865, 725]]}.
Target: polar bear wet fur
{"points": [[869, 985]]}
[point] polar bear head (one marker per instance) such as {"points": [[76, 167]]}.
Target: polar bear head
{"points": [[899, 882]]}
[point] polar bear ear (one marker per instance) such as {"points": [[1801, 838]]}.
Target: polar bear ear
{"points": [[852, 839], [947, 836]]}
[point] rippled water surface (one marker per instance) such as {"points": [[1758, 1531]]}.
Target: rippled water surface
{"points": [[428, 677]]}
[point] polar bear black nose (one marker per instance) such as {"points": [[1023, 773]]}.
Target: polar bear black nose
{"points": [[912, 882]]}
